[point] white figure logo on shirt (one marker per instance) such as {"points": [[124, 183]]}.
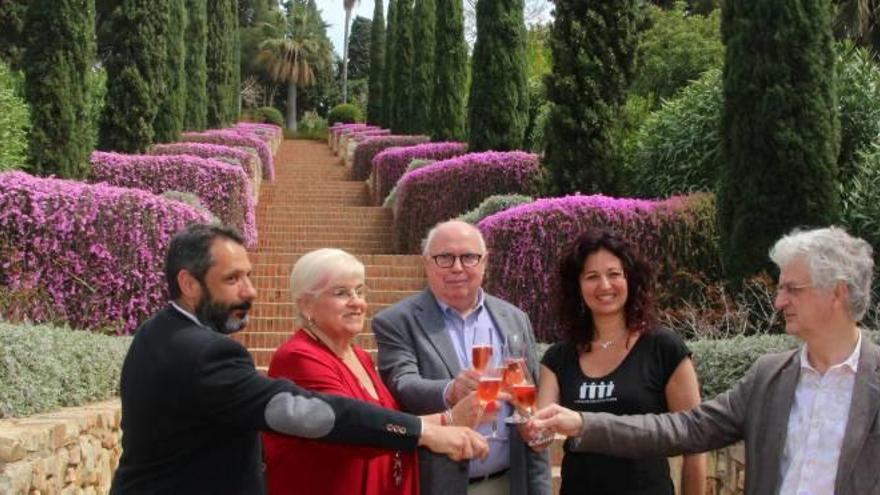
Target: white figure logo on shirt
{"points": [[596, 391]]}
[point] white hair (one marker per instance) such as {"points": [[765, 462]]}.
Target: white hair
{"points": [[426, 242], [832, 256], [317, 269]]}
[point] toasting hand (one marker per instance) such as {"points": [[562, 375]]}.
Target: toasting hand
{"points": [[558, 420], [455, 441]]}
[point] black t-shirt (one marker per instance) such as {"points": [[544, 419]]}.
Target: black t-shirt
{"points": [[636, 386]]}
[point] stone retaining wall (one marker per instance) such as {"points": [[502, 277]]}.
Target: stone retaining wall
{"points": [[71, 451]]}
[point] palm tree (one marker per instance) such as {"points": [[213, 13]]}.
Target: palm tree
{"points": [[349, 6], [858, 20]]}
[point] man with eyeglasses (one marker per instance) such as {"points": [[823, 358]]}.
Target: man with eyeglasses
{"points": [[425, 358], [810, 418]]}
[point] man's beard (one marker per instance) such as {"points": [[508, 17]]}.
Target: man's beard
{"points": [[219, 315]]}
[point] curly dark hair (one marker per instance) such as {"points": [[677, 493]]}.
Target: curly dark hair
{"points": [[575, 317]]}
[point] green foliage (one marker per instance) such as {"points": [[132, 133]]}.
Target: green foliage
{"points": [[424, 22], [195, 117], [97, 82], [220, 58], [172, 100], [12, 13], [270, 115], [44, 368], [539, 113], [676, 49], [403, 64], [60, 41], [593, 46], [135, 75], [345, 113], [375, 102], [359, 48], [780, 129], [312, 126], [538, 56], [413, 165], [858, 95], [390, 66], [493, 205], [14, 122], [498, 104], [861, 196], [450, 73]]}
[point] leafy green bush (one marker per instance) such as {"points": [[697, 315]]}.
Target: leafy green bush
{"points": [[494, 204], [861, 196], [413, 165], [97, 81], [44, 367], [345, 113], [858, 94], [720, 363], [14, 121], [312, 126], [269, 115]]}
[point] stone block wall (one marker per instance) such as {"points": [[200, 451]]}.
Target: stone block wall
{"points": [[71, 451]]}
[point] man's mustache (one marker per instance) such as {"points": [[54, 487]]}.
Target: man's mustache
{"points": [[245, 306]]}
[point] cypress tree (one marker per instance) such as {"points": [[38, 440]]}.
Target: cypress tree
{"points": [[403, 64], [60, 44], [593, 45], [196, 114], [388, 81], [135, 75], [450, 73], [377, 65], [219, 59], [233, 111], [172, 101], [424, 20], [499, 108], [779, 126]]}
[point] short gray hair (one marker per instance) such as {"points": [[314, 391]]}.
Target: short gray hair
{"points": [[426, 242], [317, 269], [832, 256]]}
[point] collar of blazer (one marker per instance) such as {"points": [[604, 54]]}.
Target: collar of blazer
{"points": [[430, 320], [863, 412]]}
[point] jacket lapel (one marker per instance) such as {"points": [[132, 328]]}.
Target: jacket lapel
{"points": [[776, 430], [501, 317], [430, 320], [864, 408]]}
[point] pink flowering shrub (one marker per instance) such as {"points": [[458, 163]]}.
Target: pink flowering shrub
{"points": [[678, 236], [335, 131], [390, 164], [269, 133], [448, 188], [228, 137], [88, 254], [222, 188], [228, 154], [358, 136], [362, 162]]}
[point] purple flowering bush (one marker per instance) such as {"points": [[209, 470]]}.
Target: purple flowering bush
{"points": [[250, 163], [390, 164], [228, 137], [335, 131], [91, 255], [362, 162], [269, 133], [678, 236], [448, 188]]}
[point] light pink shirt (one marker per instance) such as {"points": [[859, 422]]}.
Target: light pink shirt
{"points": [[816, 426]]}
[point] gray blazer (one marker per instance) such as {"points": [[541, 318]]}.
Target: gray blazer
{"points": [[417, 360], [756, 410]]}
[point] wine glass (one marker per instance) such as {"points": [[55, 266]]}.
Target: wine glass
{"points": [[516, 374], [481, 356], [487, 391]]}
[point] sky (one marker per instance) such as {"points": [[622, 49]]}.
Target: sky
{"points": [[333, 14]]}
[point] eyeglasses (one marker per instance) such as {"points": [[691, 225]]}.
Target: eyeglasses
{"points": [[347, 294], [446, 260], [791, 289]]}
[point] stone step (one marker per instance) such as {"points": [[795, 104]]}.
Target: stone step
{"points": [[368, 259], [355, 248], [326, 233], [282, 295], [375, 284], [372, 271], [325, 230]]}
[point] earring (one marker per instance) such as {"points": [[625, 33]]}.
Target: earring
{"points": [[310, 323]]}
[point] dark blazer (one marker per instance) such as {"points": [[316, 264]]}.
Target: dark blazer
{"points": [[192, 404], [417, 359], [756, 410]]}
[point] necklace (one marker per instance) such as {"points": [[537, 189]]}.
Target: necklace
{"points": [[605, 344]]}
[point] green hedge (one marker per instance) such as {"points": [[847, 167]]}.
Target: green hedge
{"points": [[44, 368], [14, 121], [494, 204], [345, 113]]}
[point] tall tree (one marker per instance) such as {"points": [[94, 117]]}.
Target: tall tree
{"points": [[450, 73], [390, 65], [403, 63], [196, 113], [424, 24], [172, 101], [348, 5], [593, 45], [359, 48], [499, 108], [135, 74], [234, 110], [377, 65], [12, 13], [780, 127], [220, 59], [60, 45]]}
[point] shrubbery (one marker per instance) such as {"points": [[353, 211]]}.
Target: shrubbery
{"points": [[493, 205], [678, 234], [345, 113], [336, 130], [230, 137], [413, 165], [858, 94], [312, 126], [270, 133], [362, 162], [90, 255], [349, 140], [249, 162], [861, 198], [390, 165], [270, 115], [224, 189], [44, 368], [448, 188], [14, 122]]}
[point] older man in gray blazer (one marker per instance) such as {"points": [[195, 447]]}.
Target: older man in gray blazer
{"points": [[810, 418], [425, 360]]}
